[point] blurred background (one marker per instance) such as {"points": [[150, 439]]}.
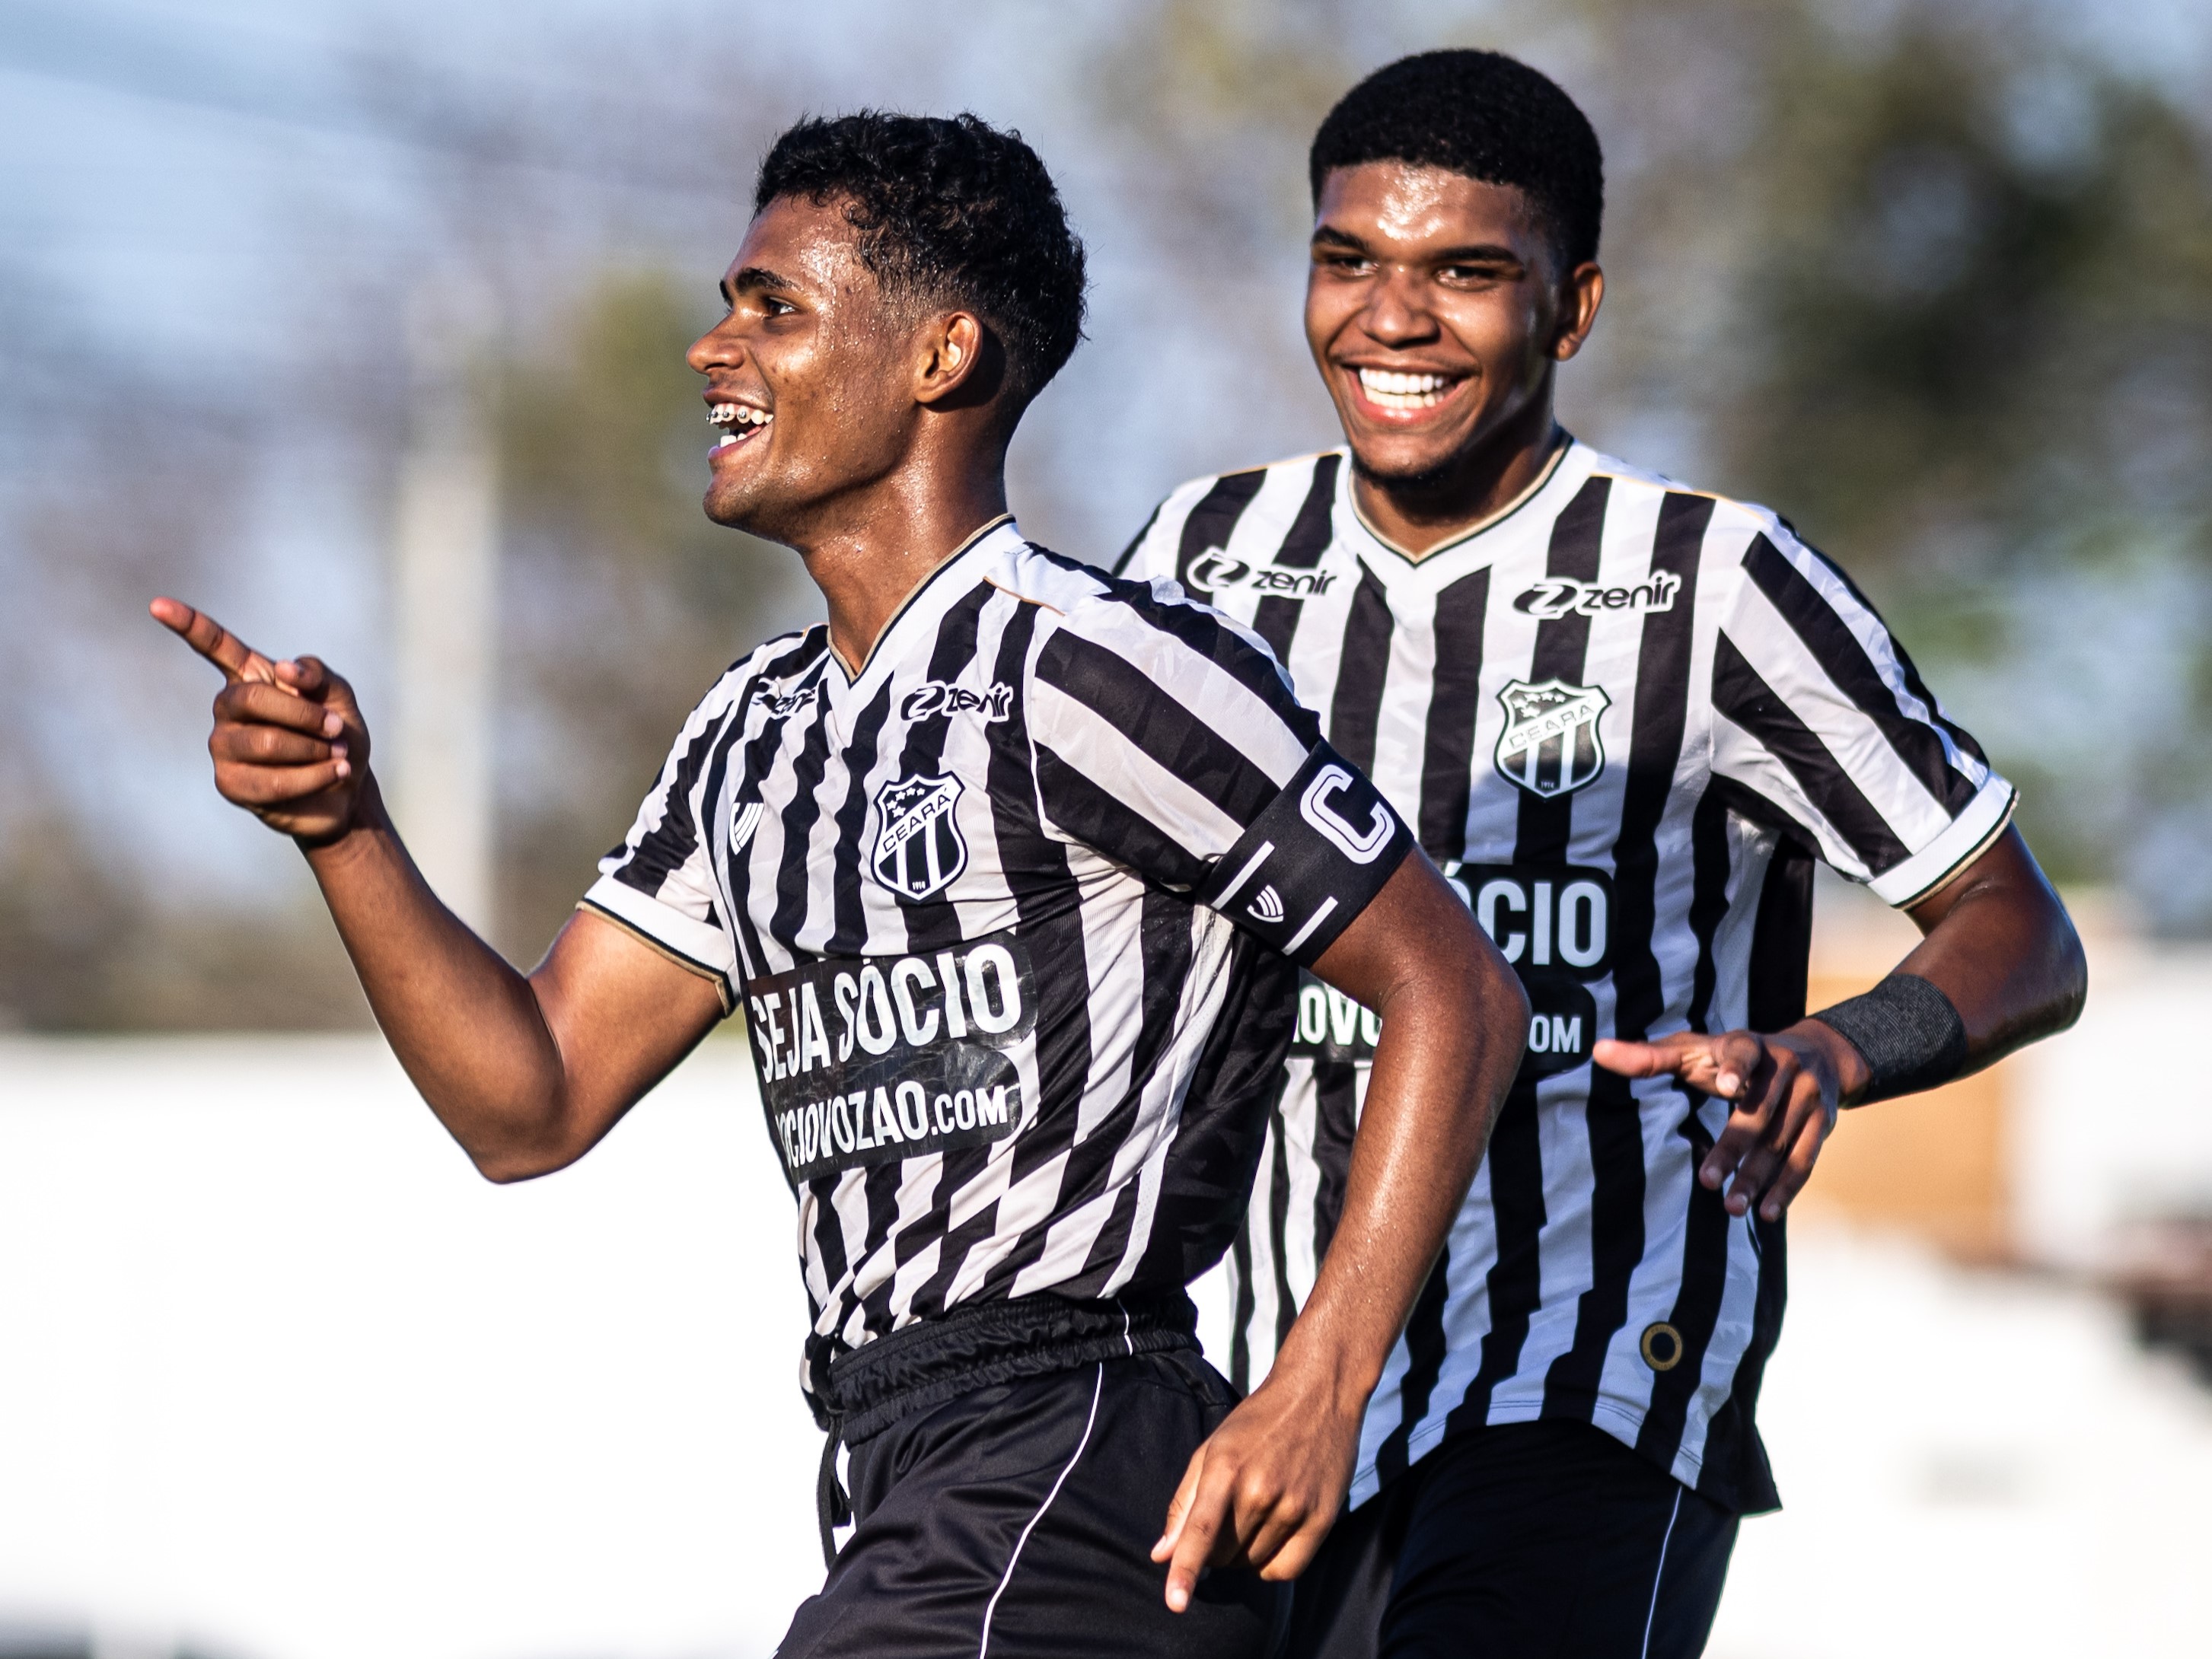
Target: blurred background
{"points": [[360, 323]]}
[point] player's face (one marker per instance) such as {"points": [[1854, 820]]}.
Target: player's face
{"points": [[807, 375], [1435, 309]]}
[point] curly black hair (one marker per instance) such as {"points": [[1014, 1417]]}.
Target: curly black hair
{"points": [[948, 209], [1486, 115]]}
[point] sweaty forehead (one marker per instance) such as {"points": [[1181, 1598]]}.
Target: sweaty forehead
{"points": [[1412, 207], [795, 243]]}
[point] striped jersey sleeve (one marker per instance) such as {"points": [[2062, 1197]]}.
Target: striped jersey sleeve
{"points": [[1167, 739], [658, 883], [1820, 714]]}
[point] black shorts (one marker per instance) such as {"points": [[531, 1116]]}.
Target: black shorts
{"points": [[1531, 1540], [1015, 1519]]}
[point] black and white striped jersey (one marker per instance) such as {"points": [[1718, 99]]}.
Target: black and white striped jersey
{"points": [[1623, 716], [1013, 913]]}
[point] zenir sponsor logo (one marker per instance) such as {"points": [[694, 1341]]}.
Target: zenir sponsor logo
{"points": [[919, 847], [784, 704], [1213, 572], [1551, 744], [1563, 596], [934, 698]]}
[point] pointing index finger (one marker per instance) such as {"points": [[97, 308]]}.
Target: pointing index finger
{"points": [[1668, 1056], [237, 660]]}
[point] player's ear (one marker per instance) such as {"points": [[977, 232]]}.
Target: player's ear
{"points": [[959, 363], [1582, 291]]}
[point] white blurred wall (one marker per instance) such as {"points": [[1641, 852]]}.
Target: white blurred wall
{"points": [[2113, 1121], [1972, 1464], [284, 1376]]}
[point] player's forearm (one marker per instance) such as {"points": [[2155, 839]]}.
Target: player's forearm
{"points": [[2005, 953], [1449, 1045], [466, 1025], [2005, 966]]}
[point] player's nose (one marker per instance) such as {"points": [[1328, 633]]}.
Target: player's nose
{"points": [[718, 348], [1395, 314]]}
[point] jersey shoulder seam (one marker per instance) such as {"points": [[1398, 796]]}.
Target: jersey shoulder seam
{"points": [[1195, 488], [1622, 473], [1020, 598], [1045, 571], [757, 660]]}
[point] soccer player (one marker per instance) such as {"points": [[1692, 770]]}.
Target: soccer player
{"points": [[1625, 716], [1009, 867]]}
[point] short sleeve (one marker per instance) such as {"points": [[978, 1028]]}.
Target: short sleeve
{"points": [[1167, 738], [658, 884], [1821, 713]]}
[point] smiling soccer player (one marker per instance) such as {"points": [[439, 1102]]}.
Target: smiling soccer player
{"points": [[1625, 716], [1008, 865]]}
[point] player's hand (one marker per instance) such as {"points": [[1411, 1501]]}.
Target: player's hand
{"points": [[289, 744], [1265, 1487], [1782, 1090]]}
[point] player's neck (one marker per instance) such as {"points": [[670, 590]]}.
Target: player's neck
{"points": [[1418, 515], [869, 555]]}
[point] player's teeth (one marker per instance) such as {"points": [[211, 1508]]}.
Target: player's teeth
{"points": [[743, 420], [1393, 390], [1385, 380]]}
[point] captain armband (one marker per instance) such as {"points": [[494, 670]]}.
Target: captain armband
{"points": [[1906, 1031], [1312, 861]]}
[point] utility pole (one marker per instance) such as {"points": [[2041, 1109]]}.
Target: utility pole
{"points": [[444, 592]]}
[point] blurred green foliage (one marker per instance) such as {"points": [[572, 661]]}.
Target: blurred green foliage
{"points": [[1983, 294], [1978, 367]]}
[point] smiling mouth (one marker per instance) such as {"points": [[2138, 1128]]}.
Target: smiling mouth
{"points": [[1403, 393], [737, 422]]}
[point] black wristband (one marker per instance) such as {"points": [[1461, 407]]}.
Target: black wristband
{"points": [[1908, 1033]]}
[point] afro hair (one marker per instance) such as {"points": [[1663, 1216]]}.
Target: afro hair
{"points": [[948, 209], [1483, 115]]}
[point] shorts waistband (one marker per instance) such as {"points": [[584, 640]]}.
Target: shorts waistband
{"points": [[980, 1345]]}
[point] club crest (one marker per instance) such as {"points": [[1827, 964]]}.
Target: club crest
{"points": [[918, 848], [1551, 745]]}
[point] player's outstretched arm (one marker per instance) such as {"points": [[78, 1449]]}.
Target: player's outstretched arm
{"points": [[526, 1071], [2000, 950], [1265, 1486]]}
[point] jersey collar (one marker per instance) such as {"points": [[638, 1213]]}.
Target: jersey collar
{"points": [[921, 611], [1479, 543]]}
